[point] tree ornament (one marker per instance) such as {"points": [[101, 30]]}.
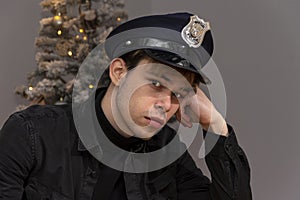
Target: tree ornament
{"points": [[58, 20]]}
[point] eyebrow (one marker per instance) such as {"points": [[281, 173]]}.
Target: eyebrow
{"points": [[185, 89], [166, 78], [159, 75]]}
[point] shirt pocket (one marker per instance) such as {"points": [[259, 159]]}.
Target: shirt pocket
{"points": [[37, 191]]}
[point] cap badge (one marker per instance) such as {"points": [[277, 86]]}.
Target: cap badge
{"points": [[193, 33]]}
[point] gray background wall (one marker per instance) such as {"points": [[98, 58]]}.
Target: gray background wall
{"points": [[257, 52]]}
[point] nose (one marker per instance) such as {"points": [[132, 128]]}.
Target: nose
{"points": [[164, 102]]}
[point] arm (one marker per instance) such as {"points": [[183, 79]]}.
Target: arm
{"points": [[16, 157], [190, 181], [230, 171], [225, 159]]}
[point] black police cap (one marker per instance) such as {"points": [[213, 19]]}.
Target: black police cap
{"points": [[181, 40]]}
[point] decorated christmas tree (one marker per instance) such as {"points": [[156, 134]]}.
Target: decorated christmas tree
{"points": [[70, 31]]}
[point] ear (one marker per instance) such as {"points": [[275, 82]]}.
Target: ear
{"points": [[117, 70]]}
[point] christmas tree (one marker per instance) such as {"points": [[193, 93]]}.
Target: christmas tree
{"points": [[72, 30]]}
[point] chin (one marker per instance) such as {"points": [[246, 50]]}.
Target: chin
{"points": [[146, 134], [144, 130]]}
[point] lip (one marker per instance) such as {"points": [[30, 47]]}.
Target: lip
{"points": [[156, 121]]}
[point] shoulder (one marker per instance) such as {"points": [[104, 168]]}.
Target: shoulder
{"points": [[43, 112], [33, 113], [45, 120]]}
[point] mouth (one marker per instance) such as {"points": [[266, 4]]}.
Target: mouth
{"points": [[156, 122]]}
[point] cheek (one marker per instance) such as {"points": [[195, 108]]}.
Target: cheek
{"points": [[138, 103]]}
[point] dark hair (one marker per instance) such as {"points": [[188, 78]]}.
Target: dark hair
{"points": [[134, 57]]}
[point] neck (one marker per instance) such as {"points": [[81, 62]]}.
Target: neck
{"points": [[107, 104]]}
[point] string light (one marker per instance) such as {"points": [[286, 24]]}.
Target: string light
{"points": [[119, 19], [70, 53], [77, 37], [91, 86], [85, 38], [61, 99], [81, 30], [30, 88], [59, 32]]}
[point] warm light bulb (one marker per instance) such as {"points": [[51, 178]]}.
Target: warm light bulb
{"points": [[85, 38], [30, 88], [59, 32], [91, 86], [119, 19], [77, 37], [81, 30], [57, 17], [70, 53]]}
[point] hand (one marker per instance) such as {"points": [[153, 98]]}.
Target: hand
{"points": [[199, 109]]}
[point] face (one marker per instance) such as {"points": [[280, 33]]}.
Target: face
{"points": [[147, 97]]}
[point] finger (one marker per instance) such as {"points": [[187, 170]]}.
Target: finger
{"points": [[186, 123], [186, 120], [185, 117], [182, 114]]}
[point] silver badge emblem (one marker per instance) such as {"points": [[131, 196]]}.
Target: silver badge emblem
{"points": [[193, 33]]}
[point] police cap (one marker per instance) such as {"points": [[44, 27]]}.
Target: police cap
{"points": [[181, 40]]}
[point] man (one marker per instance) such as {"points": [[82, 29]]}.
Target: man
{"points": [[56, 152]]}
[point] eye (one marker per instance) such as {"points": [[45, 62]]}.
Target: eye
{"points": [[177, 95], [155, 83]]}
